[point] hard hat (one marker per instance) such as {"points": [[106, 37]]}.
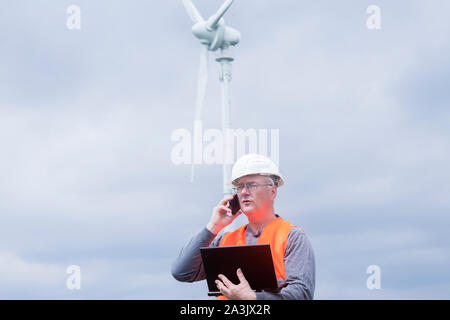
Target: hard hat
{"points": [[255, 164]]}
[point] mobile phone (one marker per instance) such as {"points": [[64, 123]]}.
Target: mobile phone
{"points": [[234, 204]]}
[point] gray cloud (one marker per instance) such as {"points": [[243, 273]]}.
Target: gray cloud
{"points": [[86, 118]]}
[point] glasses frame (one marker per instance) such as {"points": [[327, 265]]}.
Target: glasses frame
{"points": [[251, 187]]}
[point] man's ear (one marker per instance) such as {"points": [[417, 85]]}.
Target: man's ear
{"points": [[274, 193]]}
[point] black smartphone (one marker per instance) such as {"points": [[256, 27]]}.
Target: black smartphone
{"points": [[234, 204]]}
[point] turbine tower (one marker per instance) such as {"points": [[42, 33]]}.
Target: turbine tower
{"points": [[214, 35]]}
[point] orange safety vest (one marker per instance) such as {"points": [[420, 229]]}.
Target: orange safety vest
{"points": [[275, 233]]}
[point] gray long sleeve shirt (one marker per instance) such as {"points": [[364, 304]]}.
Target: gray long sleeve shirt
{"points": [[298, 260]]}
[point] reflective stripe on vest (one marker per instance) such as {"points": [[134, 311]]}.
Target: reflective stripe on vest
{"points": [[275, 233]]}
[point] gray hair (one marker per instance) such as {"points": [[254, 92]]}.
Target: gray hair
{"points": [[274, 179]]}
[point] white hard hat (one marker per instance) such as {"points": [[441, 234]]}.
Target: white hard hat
{"points": [[255, 164]]}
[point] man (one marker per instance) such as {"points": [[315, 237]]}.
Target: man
{"points": [[256, 180]]}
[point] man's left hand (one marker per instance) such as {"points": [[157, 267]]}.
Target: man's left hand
{"points": [[241, 291]]}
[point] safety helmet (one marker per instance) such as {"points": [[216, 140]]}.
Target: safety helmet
{"points": [[255, 164]]}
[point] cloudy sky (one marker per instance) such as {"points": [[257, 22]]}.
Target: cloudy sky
{"points": [[86, 118]]}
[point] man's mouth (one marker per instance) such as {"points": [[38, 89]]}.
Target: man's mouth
{"points": [[247, 201]]}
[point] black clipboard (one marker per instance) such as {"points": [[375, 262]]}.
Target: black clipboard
{"points": [[255, 262]]}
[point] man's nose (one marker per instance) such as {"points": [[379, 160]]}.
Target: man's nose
{"points": [[245, 190]]}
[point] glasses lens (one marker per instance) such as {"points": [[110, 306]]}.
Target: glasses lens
{"points": [[250, 187]]}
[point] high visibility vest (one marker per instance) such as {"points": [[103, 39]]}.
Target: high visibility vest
{"points": [[275, 233]]}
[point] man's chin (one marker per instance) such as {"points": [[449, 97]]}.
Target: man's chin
{"points": [[248, 209]]}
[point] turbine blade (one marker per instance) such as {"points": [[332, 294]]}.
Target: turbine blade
{"points": [[202, 81], [201, 93], [214, 20], [192, 11]]}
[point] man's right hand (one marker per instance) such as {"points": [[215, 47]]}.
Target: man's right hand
{"points": [[219, 218]]}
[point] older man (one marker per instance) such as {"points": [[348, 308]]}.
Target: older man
{"points": [[255, 179]]}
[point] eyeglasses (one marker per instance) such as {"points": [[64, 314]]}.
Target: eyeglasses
{"points": [[251, 187]]}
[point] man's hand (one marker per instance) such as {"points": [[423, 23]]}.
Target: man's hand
{"points": [[219, 218], [241, 291]]}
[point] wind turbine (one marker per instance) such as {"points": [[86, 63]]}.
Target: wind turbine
{"points": [[213, 35]]}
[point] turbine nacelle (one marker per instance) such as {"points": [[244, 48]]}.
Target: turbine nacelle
{"points": [[219, 37], [213, 31]]}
